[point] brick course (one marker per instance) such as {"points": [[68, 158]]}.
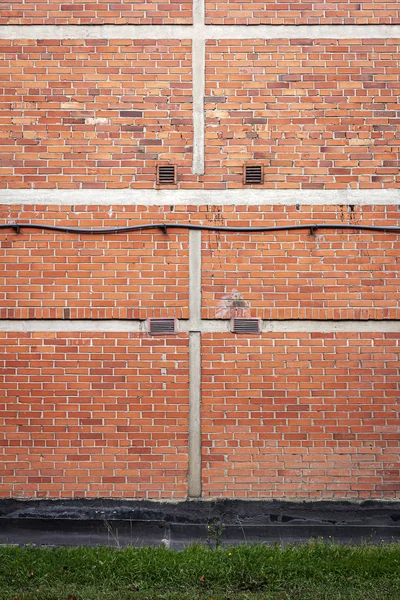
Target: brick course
{"points": [[300, 12], [47, 275], [327, 275], [319, 114], [295, 275], [93, 415], [95, 12], [305, 415], [94, 113]]}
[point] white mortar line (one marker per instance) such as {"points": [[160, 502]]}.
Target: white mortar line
{"points": [[184, 326], [235, 32], [239, 197], [194, 444]]}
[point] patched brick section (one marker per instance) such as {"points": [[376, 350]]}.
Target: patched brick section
{"points": [[319, 114], [301, 415], [47, 275], [326, 12], [297, 275], [93, 415], [95, 12], [94, 113]]}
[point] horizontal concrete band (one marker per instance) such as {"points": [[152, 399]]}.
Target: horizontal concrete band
{"points": [[239, 197], [204, 326], [197, 31]]}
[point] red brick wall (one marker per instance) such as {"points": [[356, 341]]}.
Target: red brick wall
{"points": [[301, 12], [283, 415], [328, 275], [94, 113], [305, 415], [95, 12], [92, 415], [53, 275], [320, 114]]}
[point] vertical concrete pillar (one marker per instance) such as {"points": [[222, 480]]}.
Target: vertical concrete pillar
{"points": [[198, 67], [194, 476]]}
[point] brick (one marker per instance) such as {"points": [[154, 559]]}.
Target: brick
{"points": [[129, 431], [94, 12], [316, 451], [333, 275], [313, 113], [122, 276], [82, 113]]}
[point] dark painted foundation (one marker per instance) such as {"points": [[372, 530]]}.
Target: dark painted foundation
{"points": [[138, 523]]}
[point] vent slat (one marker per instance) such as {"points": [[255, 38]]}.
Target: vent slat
{"points": [[161, 326], [166, 174], [245, 325], [253, 174]]}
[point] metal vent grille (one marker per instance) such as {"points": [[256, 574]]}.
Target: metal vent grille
{"points": [[246, 326], [166, 174], [253, 174], [161, 326]]}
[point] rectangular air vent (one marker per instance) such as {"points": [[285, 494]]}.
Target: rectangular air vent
{"points": [[253, 174], [166, 174], [161, 326], [239, 325]]}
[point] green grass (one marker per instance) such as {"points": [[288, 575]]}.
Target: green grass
{"points": [[312, 571]]}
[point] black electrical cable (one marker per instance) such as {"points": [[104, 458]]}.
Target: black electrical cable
{"points": [[312, 228], [164, 226]]}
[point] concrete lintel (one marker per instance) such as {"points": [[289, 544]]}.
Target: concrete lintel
{"points": [[57, 32], [239, 197], [203, 326]]}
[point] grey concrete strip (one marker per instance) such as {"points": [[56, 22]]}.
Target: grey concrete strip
{"points": [[240, 197], [198, 69], [57, 32], [199, 13], [195, 280], [194, 471], [343, 32], [204, 326], [331, 326], [83, 32], [208, 326], [59, 325], [307, 326]]}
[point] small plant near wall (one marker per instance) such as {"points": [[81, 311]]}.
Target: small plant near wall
{"points": [[215, 532]]}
